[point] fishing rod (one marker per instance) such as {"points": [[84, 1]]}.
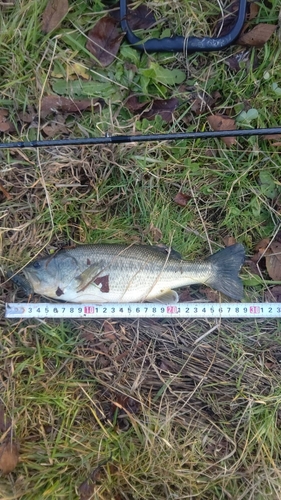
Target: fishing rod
{"points": [[121, 139]]}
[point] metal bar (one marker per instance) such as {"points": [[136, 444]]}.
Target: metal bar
{"points": [[117, 139], [180, 43]]}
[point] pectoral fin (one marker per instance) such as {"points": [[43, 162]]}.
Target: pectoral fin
{"points": [[88, 277], [166, 297]]}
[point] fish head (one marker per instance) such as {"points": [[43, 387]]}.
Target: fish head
{"points": [[49, 276]]}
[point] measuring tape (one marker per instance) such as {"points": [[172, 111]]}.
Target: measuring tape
{"points": [[145, 310]]}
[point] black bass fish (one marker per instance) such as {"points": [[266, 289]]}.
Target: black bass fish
{"points": [[119, 273]]}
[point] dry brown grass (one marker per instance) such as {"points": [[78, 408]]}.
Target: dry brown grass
{"points": [[175, 418]]}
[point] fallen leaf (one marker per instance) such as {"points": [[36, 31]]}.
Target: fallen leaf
{"points": [[273, 294], [87, 488], [9, 456], [258, 36], [275, 139], [5, 124], [229, 240], [182, 198], [122, 402], [185, 296], [8, 196], [221, 122], [243, 57], [273, 261], [55, 128], [252, 266], [227, 23], [262, 245], [28, 115], [163, 107], [140, 18], [53, 104], [201, 100], [54, 13], [210, 294], [104, 40], [133, 104], [109, 330], [254, 9]]}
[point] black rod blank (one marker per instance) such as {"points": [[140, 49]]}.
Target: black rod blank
{"points": [[117, 139]]}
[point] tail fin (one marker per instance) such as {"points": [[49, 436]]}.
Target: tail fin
{"points": [[227, 264]]}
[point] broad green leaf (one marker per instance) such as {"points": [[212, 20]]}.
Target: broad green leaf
{"points": [[267, 185], [82, 88], [163, 75]]}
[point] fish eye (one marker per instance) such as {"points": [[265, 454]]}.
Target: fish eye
{"points": [[36, 265]]}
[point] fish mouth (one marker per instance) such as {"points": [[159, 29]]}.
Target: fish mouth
{"points": [[31, 278], [21, 281]]}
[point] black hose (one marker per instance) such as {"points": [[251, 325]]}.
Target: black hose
{"points": [[180, 43], [117, 139]]}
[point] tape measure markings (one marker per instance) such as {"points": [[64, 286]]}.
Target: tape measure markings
{"points": [[144, 310]]}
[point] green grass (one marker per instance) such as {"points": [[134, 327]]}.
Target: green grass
{"points": [[207, 416]]}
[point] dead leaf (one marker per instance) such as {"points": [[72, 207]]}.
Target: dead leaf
{"points": [[109, 330], [87, 488], [5, 124], [201, 100], [122, 402], [229, 240], [222, 122], [252, 266], [254, 9], [55, 128], [273, 294], [182, 198], [53, 104], [9, 456], [210, 294], [244, 57], [141, 18], [133, 104], [262, 245], [273, 261], [185, 296], [275, 139], [28, 115], [54, 13], [258, 36], [163, 107], [104, 40], [8, 196]]}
